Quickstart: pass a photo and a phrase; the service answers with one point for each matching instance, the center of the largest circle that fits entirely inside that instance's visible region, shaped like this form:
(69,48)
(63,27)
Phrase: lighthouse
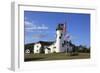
(60,37)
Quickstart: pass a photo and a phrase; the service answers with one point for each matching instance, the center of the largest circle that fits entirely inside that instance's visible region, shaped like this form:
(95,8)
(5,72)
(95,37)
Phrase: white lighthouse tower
(59,38)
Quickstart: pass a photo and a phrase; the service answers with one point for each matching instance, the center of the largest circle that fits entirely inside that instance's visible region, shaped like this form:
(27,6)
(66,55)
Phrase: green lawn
(54,56)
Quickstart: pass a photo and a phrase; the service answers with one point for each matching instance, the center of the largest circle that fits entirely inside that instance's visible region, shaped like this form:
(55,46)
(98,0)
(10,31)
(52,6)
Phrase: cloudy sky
(41,26)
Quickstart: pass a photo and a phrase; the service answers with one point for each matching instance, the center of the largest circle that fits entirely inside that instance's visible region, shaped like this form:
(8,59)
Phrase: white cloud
(39,36)
(30,26)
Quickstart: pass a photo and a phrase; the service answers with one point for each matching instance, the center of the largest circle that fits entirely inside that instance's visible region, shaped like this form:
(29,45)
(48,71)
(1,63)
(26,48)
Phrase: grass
(55,56)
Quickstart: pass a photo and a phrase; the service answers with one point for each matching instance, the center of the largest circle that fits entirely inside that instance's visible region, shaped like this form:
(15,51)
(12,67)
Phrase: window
(37,46)
(36,50)
(60,36)
(54,47)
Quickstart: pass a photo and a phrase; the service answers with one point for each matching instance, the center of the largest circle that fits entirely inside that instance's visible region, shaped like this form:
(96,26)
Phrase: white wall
(5,40)
(58,41)
(37,47)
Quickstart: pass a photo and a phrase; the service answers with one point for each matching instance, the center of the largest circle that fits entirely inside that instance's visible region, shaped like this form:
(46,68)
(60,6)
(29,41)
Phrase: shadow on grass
(32,59)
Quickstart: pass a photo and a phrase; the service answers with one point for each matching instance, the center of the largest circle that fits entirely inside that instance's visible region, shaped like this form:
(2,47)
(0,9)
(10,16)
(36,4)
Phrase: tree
(84,49)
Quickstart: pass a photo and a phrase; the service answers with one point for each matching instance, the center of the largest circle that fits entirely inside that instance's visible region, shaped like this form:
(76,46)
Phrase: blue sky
(41,26)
